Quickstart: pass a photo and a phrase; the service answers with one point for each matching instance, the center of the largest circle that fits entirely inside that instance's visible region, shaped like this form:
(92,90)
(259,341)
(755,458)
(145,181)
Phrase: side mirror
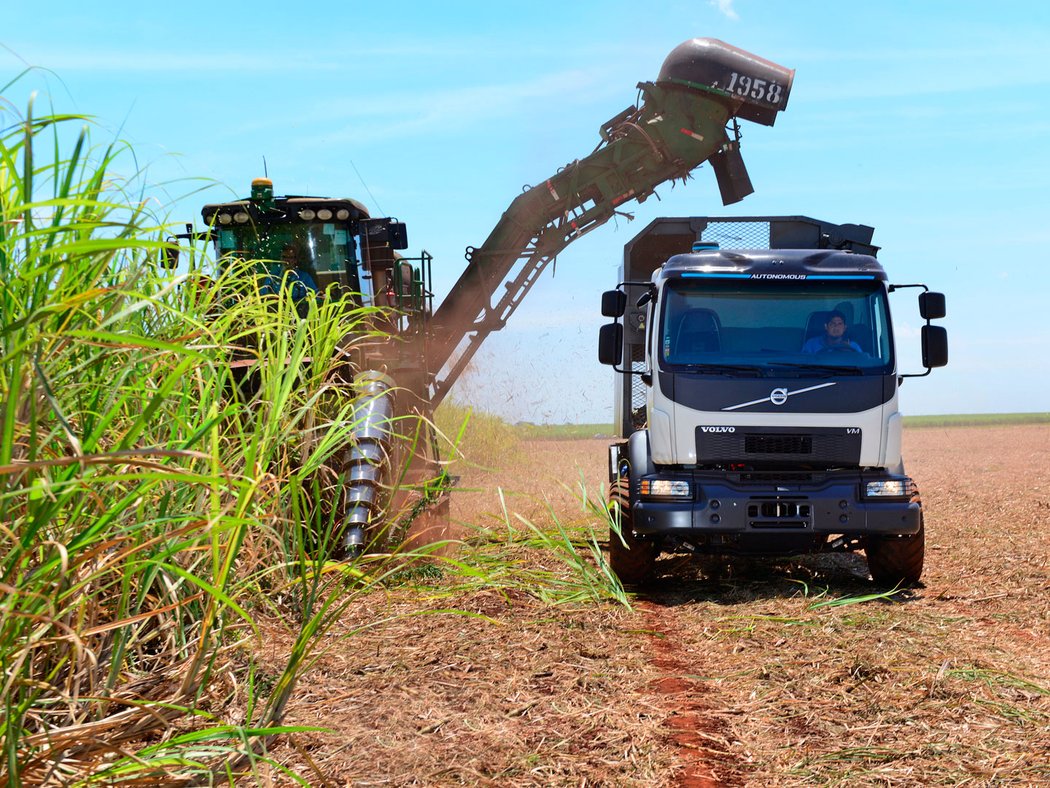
(171,256)
(610,344)
(385,231)
(614,303)
(398,235)
(931,305)
(934,344)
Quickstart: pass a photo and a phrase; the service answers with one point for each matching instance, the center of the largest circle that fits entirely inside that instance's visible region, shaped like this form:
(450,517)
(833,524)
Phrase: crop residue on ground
(946,684)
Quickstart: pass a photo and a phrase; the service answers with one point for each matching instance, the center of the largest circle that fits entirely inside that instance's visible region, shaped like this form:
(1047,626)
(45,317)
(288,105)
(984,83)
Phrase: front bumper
(833,505)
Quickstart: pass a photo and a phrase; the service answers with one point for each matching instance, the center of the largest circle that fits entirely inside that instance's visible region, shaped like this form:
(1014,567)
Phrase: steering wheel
(846,348)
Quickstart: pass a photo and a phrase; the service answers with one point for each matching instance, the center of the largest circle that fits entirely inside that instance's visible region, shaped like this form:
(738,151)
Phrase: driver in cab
(834,337)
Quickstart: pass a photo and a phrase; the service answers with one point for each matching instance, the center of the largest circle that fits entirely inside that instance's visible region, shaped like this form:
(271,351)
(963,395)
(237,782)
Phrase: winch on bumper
(840,503)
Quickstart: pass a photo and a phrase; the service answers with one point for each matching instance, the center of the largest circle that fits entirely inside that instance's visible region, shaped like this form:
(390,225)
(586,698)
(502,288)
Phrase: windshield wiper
(725,369)
(832,369)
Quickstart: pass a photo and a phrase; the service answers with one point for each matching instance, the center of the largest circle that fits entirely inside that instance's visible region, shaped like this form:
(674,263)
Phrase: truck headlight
(666,488)
(889,488)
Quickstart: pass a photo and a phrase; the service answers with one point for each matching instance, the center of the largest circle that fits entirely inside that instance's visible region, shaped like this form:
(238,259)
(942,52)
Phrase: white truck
(757,407)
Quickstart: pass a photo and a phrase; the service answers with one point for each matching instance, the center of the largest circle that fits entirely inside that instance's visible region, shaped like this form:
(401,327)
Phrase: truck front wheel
(897,560)
(632,558)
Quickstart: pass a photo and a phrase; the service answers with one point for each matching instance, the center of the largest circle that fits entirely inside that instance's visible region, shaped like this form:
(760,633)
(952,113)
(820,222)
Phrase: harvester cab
(329,244)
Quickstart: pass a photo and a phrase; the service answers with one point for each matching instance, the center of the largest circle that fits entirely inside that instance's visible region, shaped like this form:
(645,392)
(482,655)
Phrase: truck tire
(631,558)
(897,560)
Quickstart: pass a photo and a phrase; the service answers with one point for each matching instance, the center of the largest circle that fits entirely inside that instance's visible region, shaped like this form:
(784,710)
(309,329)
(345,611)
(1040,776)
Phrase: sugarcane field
(524,395)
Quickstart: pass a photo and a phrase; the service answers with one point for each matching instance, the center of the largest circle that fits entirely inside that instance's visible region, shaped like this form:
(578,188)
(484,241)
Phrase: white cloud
(404,113)
(412,53)
(68,60)
(725,7)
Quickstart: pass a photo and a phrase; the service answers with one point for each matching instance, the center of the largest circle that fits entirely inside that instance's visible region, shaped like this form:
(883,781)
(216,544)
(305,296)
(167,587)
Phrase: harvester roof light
(225,218)
(324,214)
(342,214)
(262,182)
(306,214)
(241,217)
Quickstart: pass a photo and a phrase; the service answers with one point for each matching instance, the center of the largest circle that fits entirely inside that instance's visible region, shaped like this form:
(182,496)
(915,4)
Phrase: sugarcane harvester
(688,116)
(318,247)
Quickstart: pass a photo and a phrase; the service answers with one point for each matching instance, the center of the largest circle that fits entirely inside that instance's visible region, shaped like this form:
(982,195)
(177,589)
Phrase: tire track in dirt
(699,737)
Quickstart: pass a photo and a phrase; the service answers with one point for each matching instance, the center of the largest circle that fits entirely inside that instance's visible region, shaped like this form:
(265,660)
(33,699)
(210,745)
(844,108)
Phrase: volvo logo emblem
(778,396)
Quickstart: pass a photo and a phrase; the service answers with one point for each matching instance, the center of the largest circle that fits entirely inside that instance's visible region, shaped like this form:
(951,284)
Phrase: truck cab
(758,409)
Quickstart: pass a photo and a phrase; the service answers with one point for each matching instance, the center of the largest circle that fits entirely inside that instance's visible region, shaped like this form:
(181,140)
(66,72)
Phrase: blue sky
(928,121)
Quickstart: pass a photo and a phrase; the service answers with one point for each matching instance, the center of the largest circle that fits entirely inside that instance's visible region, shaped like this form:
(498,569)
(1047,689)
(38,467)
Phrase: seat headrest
(697,320)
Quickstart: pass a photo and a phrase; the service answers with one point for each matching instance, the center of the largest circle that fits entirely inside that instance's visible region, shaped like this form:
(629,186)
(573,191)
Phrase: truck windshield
(826,326)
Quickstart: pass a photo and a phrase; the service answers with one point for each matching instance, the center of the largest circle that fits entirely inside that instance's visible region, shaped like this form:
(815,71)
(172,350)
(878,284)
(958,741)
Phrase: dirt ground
(739,675)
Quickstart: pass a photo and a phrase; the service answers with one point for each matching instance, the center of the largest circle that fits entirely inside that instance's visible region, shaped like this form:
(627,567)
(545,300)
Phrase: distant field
(578,431)
(563,431)
(977,420)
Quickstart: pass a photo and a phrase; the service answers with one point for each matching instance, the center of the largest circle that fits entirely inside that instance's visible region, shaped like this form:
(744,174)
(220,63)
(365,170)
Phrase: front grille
(766,447)
(778,444)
